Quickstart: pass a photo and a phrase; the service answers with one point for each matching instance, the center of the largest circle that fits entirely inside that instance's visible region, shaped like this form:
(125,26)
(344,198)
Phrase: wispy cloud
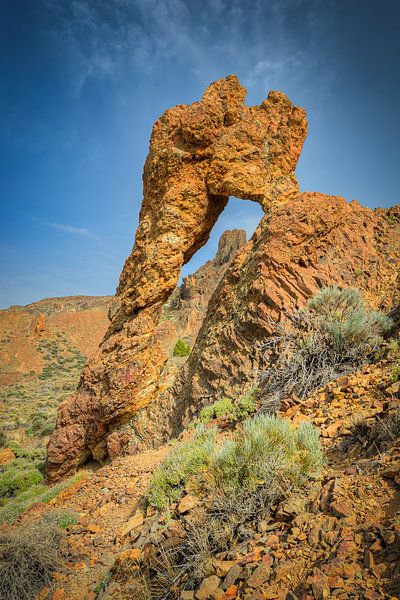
(80,231)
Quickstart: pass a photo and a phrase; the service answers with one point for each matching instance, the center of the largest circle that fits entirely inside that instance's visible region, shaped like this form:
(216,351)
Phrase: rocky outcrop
(199,156)
(311,241)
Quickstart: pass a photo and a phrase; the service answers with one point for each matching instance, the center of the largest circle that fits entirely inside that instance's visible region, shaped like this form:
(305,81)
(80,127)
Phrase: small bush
(28,559)
(334,334)
(267,452)
(14,507)
(266,461)
(62,518)
(183,462)
(396,372)
(181,349)
(226,407)
(15,479)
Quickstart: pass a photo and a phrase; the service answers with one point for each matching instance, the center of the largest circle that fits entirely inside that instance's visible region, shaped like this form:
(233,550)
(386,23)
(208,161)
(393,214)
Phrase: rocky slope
(43,347)
(339,539)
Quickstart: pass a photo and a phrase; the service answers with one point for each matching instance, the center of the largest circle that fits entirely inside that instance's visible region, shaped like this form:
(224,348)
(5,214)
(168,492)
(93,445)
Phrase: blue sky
(82,81)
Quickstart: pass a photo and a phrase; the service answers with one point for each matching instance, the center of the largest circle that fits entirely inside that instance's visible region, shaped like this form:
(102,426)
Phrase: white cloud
(80,231)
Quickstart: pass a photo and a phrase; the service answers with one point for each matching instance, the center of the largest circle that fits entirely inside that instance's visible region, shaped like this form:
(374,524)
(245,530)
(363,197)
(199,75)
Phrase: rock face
(199,156)
(308,242)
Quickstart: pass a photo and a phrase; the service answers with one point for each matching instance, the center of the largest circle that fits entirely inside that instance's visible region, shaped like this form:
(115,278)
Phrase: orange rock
(230,593)
(60,594)
(187,503)
(225,149)
(133,554)
(6,456)
(199,156)
(93,528)
(132,523)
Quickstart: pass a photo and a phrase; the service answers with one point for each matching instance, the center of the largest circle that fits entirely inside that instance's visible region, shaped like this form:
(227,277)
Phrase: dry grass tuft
(28,558)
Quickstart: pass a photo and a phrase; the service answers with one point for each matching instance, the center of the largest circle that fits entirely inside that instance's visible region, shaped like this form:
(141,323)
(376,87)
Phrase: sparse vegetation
(183,462)
(28,558)
(226,407)
(238,484)
(181,349)
(333,335)
(14,506)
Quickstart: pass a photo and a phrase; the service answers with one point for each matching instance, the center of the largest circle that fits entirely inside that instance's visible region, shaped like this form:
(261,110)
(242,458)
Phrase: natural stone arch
(199,156)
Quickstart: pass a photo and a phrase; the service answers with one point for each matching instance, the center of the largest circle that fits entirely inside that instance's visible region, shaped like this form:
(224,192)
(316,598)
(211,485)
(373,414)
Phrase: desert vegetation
(334,334)
(237,482)
(181,349)
(30,555)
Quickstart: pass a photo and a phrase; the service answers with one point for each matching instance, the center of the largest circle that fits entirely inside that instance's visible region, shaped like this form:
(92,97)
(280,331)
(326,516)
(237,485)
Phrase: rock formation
(199,156)
(304,244)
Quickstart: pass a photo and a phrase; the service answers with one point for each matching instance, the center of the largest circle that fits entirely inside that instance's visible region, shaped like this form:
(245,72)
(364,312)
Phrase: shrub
(62,518)
(267,452)
(183,462)
(13,507)
(18,475)
(331,336)
(28,558)
(226,407)
(181,349)
(266,461)
(396,372)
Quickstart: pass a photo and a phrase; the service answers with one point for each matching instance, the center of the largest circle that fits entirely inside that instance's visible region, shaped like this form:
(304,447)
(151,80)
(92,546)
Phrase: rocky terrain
(211,487)
(339,539)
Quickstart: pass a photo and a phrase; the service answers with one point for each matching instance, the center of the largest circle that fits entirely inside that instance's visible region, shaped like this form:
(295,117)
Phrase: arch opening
(238,214)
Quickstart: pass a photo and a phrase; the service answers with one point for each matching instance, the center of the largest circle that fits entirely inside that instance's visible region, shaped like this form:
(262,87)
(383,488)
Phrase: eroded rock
(199,156)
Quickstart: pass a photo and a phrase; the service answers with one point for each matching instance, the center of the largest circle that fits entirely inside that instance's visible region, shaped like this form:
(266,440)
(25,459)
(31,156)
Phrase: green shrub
(350,327)
(28,558)
(13,507)
(3,438)
(17,476)
(267,452)
(332,335)
(266,461)
(182,463)
(181,349)
(226,407)
(62,518)
(396,372)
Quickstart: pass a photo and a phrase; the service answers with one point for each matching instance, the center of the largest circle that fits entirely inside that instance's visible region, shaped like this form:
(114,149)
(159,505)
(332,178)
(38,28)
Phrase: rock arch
(199,156)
